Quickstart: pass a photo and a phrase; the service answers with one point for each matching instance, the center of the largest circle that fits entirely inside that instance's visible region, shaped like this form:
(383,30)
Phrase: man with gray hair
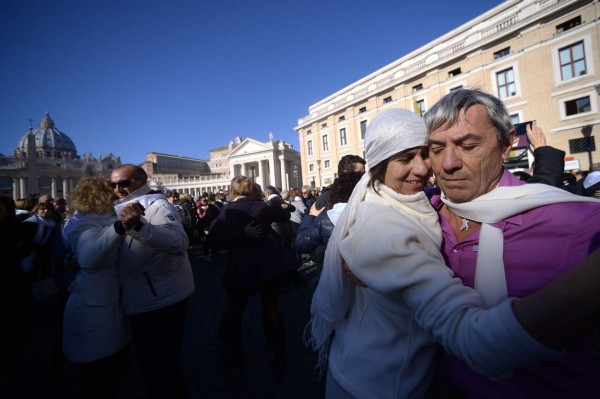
(506,238)
(307,196)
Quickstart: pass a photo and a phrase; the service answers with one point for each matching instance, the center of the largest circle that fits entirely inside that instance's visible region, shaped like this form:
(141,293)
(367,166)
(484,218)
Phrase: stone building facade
(539,56)
(45,161)
(274,162)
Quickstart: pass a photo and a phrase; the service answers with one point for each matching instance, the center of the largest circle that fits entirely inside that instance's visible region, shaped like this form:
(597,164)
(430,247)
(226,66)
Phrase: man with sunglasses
(156,278)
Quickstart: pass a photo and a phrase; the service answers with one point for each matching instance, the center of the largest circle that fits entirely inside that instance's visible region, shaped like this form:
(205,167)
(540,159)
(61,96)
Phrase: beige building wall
(519,40)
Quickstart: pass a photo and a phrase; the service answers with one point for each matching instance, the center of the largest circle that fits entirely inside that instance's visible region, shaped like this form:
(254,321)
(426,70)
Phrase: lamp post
(587,134)
(296,175)
(319,171)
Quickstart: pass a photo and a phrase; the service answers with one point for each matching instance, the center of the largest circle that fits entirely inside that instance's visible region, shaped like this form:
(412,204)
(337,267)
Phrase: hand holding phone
(536,135)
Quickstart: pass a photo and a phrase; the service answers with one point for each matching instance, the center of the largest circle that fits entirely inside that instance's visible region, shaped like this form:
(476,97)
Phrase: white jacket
(94,323)
(386,346)
(155,269)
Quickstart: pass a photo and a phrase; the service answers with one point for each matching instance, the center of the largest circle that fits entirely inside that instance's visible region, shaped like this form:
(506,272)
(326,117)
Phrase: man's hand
(130,215)
(535,135)
(253,229)
(314,211)
(351,275)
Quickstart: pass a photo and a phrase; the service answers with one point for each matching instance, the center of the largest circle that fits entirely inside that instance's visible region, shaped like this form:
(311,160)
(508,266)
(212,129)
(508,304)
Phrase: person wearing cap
(386,328)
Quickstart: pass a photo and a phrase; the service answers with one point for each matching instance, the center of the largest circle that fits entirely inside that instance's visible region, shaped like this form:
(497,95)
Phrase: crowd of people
(431,252)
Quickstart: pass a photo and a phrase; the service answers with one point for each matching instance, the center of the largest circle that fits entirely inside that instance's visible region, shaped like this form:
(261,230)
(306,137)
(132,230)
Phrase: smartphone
(521,139)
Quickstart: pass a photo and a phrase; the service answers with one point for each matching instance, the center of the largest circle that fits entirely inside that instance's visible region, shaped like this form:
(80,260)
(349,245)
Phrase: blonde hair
(25,203)
(241,185)
(185,197)
(93,195)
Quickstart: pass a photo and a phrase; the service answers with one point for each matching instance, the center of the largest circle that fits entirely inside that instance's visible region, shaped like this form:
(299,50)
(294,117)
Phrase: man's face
(466,158)
(124,183)
(306,193)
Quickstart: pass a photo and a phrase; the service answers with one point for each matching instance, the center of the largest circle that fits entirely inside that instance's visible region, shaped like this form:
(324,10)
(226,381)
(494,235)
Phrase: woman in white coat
(96,331)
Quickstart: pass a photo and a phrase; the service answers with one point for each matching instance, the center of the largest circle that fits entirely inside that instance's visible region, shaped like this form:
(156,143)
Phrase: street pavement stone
(206,374)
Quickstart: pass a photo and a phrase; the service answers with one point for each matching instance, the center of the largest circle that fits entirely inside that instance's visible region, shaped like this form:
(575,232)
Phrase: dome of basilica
(49,142)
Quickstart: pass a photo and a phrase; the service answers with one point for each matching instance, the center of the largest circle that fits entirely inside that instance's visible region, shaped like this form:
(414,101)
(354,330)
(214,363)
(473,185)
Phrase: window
(342,118)
(514,119)
(308,132)
(454,72)
(324,125)
(387,100)
(578,106)
(570,24)
(325,143)
(363,129)
(417,87)
(311,167)
(572,61)
(309,147)
(327,164)
(420,107)
(456,88)
(502,53)
(362,110)
(343,138)
(506,83)
(583,144)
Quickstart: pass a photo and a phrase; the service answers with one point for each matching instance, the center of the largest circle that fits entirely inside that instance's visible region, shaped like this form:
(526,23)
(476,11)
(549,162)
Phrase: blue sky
(183,77)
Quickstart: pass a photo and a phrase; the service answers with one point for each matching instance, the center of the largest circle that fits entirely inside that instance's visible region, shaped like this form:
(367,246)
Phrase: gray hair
(446,111)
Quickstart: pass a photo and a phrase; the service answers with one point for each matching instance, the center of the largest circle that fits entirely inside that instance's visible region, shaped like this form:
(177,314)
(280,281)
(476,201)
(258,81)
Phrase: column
(16,189)
(23,184)
(272,171)
(232,170)
(284,184)
(261,173)
(53,187)
(65,187)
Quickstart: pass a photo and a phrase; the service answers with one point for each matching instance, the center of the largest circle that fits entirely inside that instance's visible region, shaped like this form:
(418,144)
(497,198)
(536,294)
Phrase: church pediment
(250,146)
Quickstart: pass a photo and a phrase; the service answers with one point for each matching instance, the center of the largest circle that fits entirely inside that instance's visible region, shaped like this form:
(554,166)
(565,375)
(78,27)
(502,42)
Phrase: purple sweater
(539,245)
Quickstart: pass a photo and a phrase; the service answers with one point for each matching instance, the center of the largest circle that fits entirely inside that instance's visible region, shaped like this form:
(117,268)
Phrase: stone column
(261,173)
(53,187)
(65,187)
(272,181)
(232,170)
(16,189)
(282,166)
(23,184)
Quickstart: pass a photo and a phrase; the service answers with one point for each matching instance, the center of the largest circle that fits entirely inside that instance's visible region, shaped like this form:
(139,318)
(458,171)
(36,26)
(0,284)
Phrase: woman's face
(407,172)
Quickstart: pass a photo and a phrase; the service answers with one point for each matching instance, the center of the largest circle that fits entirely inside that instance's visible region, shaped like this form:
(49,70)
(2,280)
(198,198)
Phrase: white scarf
(335,213)
(493,207)
(140,196)
(335,292)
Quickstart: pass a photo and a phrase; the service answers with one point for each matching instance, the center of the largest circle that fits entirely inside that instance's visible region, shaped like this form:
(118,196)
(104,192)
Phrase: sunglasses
(120,183)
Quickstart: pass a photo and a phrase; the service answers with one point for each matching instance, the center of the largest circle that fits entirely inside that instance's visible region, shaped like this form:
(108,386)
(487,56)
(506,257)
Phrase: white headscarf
(390,133)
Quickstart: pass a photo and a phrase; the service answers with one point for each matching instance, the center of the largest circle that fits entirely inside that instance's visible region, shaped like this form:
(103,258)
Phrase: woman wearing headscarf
(96,332)
(384,344)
